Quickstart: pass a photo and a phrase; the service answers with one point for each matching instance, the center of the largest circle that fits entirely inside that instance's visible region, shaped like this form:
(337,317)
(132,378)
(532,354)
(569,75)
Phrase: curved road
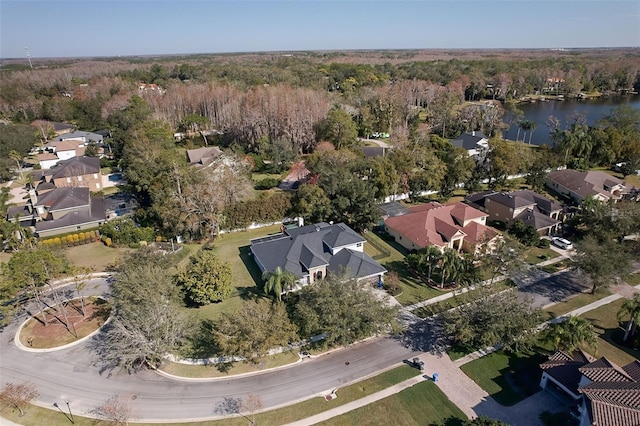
(71,374)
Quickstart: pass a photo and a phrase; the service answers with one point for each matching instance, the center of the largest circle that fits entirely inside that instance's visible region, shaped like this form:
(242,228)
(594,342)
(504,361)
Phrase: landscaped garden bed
(62,329)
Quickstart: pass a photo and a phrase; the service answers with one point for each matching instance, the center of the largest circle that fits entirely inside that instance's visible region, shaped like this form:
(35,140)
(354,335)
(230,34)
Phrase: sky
(83,28)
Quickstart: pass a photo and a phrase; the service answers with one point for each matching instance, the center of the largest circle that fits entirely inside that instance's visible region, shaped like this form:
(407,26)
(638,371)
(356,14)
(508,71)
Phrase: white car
(562,243)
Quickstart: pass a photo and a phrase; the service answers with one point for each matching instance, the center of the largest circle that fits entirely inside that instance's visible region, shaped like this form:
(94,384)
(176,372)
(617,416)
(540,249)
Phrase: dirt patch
(66,323)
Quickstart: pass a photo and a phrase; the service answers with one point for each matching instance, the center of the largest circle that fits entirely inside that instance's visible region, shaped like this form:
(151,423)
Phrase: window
(359,245)
(95,176)
(79,178)
(68,180)
(97,185)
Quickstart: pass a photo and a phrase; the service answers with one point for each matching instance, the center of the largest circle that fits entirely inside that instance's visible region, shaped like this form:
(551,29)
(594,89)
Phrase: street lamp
(71,414)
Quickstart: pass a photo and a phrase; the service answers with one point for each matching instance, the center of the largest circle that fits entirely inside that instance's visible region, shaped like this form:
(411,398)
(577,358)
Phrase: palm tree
(449,265)
(430,255)
(571,333)
(17,157)
(532,127)
(279,281)
(630,307)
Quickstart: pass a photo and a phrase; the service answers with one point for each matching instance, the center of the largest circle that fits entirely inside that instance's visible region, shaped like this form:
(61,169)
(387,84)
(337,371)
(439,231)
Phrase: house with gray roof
(601,392)
(475,143)
(524,206)
(312,252)
(76,171)
(59,210)
(579,185)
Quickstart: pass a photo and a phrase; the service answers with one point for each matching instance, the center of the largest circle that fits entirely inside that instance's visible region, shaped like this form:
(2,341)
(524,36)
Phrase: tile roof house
(456,226)
(76,171)
(579,185)
(59,210)
(475,143)
(313,251)
(525,206)
(605,394)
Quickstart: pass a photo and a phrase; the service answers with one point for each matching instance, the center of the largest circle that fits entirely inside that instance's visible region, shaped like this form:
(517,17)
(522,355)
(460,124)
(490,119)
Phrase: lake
(564,110)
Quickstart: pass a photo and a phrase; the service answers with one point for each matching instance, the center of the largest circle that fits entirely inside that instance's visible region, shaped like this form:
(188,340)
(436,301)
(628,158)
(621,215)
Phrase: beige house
(524,206)
(456,226)
(582,184)
(74,172)
(59,210)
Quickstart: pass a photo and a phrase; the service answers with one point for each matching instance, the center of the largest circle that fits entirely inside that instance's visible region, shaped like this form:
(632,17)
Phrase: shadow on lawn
(520,379)
(614,337)
(254,292)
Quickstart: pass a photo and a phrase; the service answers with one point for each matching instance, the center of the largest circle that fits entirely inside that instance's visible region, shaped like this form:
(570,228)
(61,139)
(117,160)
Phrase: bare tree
(19,395)
(116,410)
(251,404)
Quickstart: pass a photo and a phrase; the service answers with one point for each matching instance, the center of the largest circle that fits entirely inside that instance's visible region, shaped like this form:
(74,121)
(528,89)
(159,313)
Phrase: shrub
(266,183)
(107,242)
(57,241)
(65,241)
(544,243)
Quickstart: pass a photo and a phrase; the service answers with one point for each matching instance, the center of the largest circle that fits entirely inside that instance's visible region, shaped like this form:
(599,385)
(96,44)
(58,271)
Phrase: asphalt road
(71,374)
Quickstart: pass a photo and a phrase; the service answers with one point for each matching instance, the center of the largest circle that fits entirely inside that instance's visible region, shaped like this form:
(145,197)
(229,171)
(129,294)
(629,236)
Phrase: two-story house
(59,210)
(579,185)
(475,143)
(456,226)
(76,171)
(313,251)
(524,206)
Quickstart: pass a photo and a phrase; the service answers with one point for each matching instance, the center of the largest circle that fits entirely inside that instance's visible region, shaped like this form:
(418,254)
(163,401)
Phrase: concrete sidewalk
(369,399)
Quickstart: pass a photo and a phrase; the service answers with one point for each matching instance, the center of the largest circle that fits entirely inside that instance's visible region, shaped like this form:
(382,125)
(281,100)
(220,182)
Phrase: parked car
(562,243)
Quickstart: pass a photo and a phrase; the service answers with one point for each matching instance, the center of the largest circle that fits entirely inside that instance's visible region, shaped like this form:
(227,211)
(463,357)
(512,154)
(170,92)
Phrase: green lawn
(508,378)
(610,333)
(574,303)
(413,289)
(422,404)
(200,371)
(233,247)
(632,279)
(95,256)
(459,299)
(41,416)
(535,255)
(257,177)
